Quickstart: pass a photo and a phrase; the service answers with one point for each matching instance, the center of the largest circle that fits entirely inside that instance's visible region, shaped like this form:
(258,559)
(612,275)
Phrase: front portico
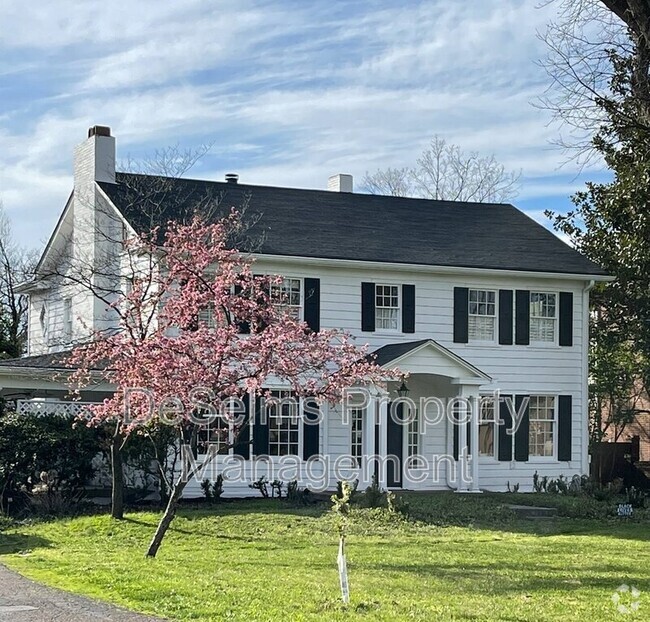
(440,384)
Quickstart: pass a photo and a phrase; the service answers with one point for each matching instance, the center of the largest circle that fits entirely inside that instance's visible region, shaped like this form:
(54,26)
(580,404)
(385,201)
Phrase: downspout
(585,375)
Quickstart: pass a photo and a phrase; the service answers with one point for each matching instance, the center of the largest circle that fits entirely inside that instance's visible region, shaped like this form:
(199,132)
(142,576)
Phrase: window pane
(356,439)
(482,314)
(486,439)
(284,423)
(286,296)
(542,422)
(387,307)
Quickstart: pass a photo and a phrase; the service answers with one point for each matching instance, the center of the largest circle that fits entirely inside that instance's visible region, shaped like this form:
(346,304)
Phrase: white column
(475,414)
(382,450)
(462,464)
(368,435)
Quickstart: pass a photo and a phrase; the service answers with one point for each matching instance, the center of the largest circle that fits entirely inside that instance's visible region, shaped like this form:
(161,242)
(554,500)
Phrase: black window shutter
(504,443)
(461,315)
(505,317)
(457,439)
(522,317)
(408,308)
(260,429)
(564,428)
(243,328)
(521,435)
(368,307)
(312,304)
(311,429)
(566,319)
(242,444)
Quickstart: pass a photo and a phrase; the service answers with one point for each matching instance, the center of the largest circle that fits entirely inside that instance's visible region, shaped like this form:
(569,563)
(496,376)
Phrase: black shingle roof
(392,351)
(337,225)
(55,360)
(40,361)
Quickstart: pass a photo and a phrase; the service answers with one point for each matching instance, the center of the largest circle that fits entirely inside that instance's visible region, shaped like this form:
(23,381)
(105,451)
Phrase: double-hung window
(486,427)
(541,425)
(356,434)
(287,296)
(482,315)
(284,424)
(543,317)
(387,307)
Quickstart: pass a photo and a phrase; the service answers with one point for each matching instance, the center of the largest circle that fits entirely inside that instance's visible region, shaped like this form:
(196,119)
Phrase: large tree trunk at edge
(167,517)
(117,465)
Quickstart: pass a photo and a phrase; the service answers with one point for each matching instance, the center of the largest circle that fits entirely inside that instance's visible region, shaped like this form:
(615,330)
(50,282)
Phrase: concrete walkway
(22,600)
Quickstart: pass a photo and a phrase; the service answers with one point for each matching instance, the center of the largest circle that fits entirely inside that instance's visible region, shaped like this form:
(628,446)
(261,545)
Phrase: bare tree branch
(444,172)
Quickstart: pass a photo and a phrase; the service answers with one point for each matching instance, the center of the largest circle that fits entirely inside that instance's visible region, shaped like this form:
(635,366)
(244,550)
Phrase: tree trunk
(117,493)
(167,517)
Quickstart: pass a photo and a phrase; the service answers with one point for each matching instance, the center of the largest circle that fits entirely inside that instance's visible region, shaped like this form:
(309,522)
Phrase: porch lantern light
(403,390)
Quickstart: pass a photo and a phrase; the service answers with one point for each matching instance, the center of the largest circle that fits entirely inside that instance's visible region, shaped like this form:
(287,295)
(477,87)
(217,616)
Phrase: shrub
(262,484)
(32,445)
(354,489)
(217,487)
(206,487)
(374,496)
(297,495)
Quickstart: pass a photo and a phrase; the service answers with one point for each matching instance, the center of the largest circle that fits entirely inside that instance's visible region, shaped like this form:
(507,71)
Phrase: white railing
(58,408)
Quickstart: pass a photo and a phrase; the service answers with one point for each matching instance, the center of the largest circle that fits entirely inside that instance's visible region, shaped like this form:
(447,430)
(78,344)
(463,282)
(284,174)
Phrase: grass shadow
(12,543)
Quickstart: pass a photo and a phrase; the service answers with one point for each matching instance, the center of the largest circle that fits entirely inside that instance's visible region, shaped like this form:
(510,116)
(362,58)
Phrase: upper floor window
(287,296)
(543,317)
(486,427)
(67,318)
(284,424)
(387,307)
(541,425)
(482,315)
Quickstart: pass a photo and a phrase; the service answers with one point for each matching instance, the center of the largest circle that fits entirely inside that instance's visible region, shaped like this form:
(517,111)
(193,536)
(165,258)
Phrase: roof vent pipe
(232,178)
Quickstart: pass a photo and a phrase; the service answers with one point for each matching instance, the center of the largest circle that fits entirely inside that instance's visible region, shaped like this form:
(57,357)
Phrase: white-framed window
(387,307)
(543,317)
(284,424)
(67,318)
(288,296)
(413,438)
(356,434)
(217,433)
(207,317)
(541,416)
(482,314)
(487,427)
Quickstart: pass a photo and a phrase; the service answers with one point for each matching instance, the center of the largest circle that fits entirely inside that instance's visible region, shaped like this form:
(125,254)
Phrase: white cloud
(289,92)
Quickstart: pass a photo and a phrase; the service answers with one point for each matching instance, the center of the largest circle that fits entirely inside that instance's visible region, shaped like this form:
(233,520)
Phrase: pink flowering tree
(180,330)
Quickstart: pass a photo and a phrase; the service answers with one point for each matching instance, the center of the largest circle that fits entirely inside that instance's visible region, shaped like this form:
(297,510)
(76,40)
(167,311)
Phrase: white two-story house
(469,300)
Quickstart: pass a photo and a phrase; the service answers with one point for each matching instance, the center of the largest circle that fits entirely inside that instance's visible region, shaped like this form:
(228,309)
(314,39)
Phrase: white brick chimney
(340,183)
(96,232)
(94,159)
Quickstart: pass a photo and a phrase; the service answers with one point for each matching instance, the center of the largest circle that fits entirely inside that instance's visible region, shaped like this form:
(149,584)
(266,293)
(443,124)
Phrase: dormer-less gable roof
(361,227)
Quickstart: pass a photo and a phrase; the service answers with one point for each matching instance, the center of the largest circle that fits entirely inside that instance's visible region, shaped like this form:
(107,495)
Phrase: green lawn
(265,560)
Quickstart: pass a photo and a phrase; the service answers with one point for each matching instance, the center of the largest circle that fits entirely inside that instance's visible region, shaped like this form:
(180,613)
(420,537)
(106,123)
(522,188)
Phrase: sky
(286,92)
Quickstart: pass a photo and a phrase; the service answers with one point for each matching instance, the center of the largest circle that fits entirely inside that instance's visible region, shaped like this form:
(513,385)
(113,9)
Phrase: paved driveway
(22,600)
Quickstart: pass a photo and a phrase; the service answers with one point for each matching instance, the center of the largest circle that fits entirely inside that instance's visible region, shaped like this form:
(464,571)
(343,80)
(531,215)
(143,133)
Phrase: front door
(395,446)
